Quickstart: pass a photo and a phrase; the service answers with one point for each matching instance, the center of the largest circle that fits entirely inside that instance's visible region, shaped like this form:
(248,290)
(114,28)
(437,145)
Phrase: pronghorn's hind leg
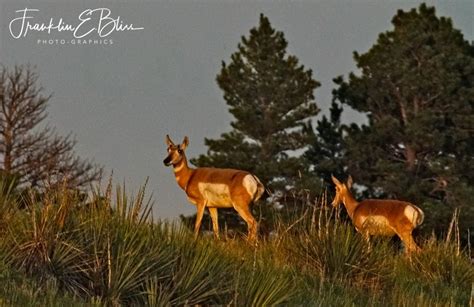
(408,242)
(366,236)
(404,232)
(242,206)
(215,222)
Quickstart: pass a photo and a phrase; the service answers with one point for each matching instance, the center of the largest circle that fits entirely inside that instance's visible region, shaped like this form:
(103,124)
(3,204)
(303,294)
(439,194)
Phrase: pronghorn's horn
(334,179)
(349,182)
(168,140)
(185,142)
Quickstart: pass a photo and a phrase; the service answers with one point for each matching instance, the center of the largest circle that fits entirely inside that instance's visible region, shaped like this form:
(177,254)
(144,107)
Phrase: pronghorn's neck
(350,203)
(182,173)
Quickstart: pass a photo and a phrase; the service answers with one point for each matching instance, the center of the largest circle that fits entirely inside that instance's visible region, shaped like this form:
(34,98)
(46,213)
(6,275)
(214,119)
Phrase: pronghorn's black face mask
(175,152)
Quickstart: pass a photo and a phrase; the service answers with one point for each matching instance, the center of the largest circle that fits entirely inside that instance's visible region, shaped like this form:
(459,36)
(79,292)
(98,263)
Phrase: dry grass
(109,251)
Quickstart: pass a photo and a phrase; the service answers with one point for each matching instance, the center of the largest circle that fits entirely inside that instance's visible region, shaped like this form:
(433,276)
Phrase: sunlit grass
(107,250)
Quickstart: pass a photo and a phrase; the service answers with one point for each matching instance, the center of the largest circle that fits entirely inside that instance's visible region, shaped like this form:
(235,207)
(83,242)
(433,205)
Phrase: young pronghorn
(380,217)
(215,188)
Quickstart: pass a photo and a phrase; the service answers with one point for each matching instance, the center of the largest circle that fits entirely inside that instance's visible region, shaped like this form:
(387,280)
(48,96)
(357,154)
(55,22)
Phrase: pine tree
(416,84)
(326,150)
(270,96)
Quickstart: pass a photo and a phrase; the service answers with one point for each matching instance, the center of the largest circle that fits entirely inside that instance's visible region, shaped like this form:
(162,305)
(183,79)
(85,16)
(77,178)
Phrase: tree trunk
(410,155)
(7,155)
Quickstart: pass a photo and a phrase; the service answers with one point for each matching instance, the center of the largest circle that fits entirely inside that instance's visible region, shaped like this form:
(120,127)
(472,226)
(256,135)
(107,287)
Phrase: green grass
(107,251)
(19,290)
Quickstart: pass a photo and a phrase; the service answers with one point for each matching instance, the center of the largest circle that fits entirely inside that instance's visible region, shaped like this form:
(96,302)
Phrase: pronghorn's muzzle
(167,161)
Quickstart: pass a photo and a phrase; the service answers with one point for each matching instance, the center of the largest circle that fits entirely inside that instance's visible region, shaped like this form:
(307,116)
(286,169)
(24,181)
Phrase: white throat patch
(179,168)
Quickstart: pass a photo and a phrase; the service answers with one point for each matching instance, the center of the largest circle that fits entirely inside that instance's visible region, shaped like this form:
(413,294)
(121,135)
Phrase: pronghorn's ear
(185,143)
(336,182)
(349,182)
(169,142)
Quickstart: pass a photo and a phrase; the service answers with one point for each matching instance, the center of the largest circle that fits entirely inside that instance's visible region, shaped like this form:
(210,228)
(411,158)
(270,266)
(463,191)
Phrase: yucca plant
(441,271)
(157,294)
(107,250)
(19,290)
(262,286)
(129,258)
(443,262)
(324,244)
(201,273)
(9,196)
(315,291)
(135,208)
(39,243)
(410,297)
(119,240)
(339,253)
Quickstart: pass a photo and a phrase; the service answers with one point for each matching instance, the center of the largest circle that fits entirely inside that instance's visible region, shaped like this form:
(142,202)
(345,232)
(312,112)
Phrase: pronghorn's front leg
(215,222)
(199,215)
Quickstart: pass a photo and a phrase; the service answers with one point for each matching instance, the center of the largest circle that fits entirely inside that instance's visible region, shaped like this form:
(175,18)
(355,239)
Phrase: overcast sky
(121,99)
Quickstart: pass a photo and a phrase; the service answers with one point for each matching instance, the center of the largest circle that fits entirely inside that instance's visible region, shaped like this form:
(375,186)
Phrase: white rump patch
(412,214)
(250,184)
(216,194)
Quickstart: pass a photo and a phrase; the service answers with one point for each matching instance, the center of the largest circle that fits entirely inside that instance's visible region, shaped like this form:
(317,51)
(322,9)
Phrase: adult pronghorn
(381,217)
(215,188)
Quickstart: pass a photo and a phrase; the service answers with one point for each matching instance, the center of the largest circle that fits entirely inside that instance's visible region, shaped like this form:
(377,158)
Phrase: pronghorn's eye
(180,151)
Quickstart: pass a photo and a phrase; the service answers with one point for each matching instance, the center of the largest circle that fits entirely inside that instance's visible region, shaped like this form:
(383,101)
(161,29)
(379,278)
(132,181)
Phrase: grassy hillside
(108,251)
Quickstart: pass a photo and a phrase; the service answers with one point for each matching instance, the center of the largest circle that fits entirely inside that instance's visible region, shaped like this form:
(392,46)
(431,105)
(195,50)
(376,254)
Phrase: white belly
(216,194)
(377,225)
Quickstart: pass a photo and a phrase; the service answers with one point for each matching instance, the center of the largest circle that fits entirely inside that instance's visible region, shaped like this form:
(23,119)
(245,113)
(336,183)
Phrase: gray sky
(121,100)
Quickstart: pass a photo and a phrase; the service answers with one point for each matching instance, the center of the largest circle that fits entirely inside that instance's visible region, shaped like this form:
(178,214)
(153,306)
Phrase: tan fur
(215,188)
(380,217)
